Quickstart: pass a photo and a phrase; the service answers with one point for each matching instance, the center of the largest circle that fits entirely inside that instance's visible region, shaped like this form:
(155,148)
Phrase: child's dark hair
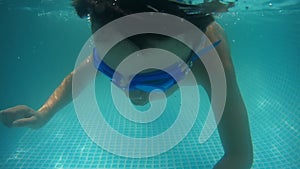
(86,7)
(82,7)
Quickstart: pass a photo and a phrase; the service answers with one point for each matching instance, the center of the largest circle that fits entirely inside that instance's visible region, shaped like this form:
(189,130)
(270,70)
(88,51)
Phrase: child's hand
(22,116)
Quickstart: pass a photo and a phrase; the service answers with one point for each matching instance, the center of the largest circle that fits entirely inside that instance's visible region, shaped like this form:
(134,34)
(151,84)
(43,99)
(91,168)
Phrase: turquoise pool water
(41,39)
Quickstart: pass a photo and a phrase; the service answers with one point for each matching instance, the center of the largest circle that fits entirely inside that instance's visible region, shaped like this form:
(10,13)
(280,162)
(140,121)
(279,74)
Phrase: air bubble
(270,4)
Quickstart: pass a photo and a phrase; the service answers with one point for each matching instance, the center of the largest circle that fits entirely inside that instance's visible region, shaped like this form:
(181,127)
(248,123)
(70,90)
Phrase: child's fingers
(23,122)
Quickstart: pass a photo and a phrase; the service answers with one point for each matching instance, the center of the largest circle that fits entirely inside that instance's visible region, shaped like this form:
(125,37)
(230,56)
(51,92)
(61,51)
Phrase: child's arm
(21,116)
(233,127)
